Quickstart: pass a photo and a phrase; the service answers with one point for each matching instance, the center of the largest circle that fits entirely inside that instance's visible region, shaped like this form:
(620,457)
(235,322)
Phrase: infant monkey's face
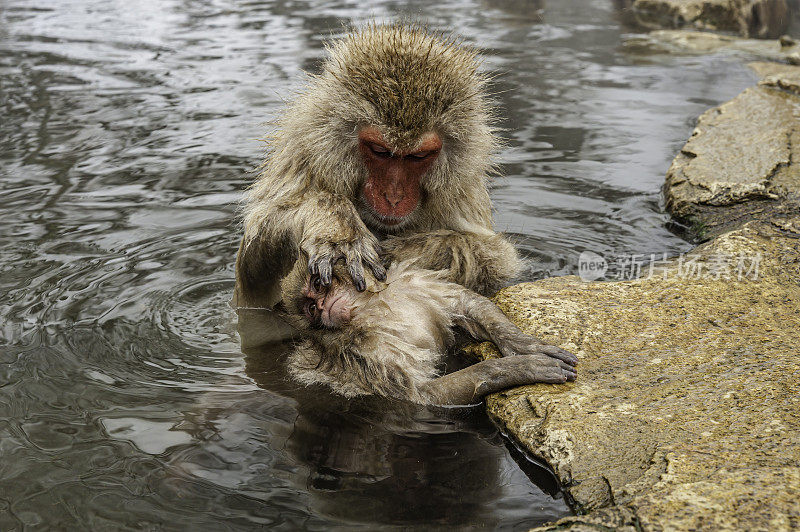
(327,306)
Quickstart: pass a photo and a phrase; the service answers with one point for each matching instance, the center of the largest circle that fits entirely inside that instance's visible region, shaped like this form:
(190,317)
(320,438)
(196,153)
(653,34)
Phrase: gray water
(128,130)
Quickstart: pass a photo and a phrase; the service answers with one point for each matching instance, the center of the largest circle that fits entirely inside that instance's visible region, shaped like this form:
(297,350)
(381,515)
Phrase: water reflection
(383,462)
(128,132)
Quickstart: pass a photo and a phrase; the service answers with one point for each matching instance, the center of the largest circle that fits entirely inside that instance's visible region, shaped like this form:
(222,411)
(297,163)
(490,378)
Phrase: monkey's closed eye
(419,156)
(379,150)
(316,284)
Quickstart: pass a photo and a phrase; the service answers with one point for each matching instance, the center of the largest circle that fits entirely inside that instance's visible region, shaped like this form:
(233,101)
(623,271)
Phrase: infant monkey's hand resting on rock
(389,339)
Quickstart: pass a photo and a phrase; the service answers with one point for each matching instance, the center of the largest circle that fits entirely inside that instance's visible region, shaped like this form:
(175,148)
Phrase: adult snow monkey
(388,148)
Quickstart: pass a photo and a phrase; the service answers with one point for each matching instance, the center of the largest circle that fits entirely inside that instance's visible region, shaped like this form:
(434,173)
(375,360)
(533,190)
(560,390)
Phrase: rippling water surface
(128,131)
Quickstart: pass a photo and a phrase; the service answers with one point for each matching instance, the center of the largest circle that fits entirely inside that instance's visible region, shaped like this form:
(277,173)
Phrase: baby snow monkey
(391,339)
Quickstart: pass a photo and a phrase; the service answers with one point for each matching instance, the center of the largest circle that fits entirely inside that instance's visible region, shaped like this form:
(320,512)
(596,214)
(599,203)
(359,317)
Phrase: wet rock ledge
(742,161)
(748,18)
(686,413)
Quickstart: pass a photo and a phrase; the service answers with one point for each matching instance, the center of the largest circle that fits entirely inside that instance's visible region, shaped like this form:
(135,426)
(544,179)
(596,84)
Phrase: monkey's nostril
(393,199)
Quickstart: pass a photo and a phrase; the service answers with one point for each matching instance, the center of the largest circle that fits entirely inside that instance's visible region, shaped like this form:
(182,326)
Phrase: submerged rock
(686,412)
(742,161)
(778,76)
(698,42)
(748,18)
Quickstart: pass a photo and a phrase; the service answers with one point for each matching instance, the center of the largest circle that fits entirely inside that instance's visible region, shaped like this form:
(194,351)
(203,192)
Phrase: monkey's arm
(483,261)
(484,321)
(324,226)
(331,229)
(469,385)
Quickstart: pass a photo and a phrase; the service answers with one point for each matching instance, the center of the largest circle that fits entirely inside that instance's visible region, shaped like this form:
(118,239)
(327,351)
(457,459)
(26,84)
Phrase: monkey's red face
(392,189)
(327,306)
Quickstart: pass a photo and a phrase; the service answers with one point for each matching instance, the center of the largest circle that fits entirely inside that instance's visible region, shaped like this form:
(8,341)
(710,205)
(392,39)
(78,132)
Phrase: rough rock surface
(748,18)
(742,161)
(778,76)
(686,412)
(697,42)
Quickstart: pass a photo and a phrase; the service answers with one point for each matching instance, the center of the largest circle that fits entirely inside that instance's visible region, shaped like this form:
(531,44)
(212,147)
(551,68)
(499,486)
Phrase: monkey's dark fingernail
(325,273)
(379,272)
(361,285)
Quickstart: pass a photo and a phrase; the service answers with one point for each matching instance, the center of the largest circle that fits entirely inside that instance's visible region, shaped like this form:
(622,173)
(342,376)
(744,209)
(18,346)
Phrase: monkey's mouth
(391,220)
(377,220)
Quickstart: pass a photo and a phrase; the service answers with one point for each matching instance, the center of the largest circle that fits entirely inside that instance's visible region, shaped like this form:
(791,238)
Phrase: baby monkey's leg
(484,321)
(469,385)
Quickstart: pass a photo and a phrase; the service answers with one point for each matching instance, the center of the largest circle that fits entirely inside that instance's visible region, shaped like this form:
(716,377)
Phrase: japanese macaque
(389,147)
(390,339)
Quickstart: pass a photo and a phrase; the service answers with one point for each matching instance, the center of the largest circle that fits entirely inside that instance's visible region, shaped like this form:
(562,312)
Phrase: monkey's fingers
(321,258)
(325,270)
(524,344)
(378,270)
(569,371)
(551,370)
(373,261)
(357,256)
(557,352)
(357,273)
(553,375)
(322,265)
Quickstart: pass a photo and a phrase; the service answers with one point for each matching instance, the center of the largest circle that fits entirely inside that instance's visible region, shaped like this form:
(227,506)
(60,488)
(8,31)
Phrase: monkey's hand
(514,343)
(527,369)
(470,384)
(484,321)
(342,236)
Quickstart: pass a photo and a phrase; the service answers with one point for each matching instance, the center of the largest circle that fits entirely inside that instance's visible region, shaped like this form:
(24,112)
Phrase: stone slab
(686,411)
(742,161)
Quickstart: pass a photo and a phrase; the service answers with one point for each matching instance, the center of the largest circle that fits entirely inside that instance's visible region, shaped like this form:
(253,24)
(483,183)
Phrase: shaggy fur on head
(405,81)
(414,82)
